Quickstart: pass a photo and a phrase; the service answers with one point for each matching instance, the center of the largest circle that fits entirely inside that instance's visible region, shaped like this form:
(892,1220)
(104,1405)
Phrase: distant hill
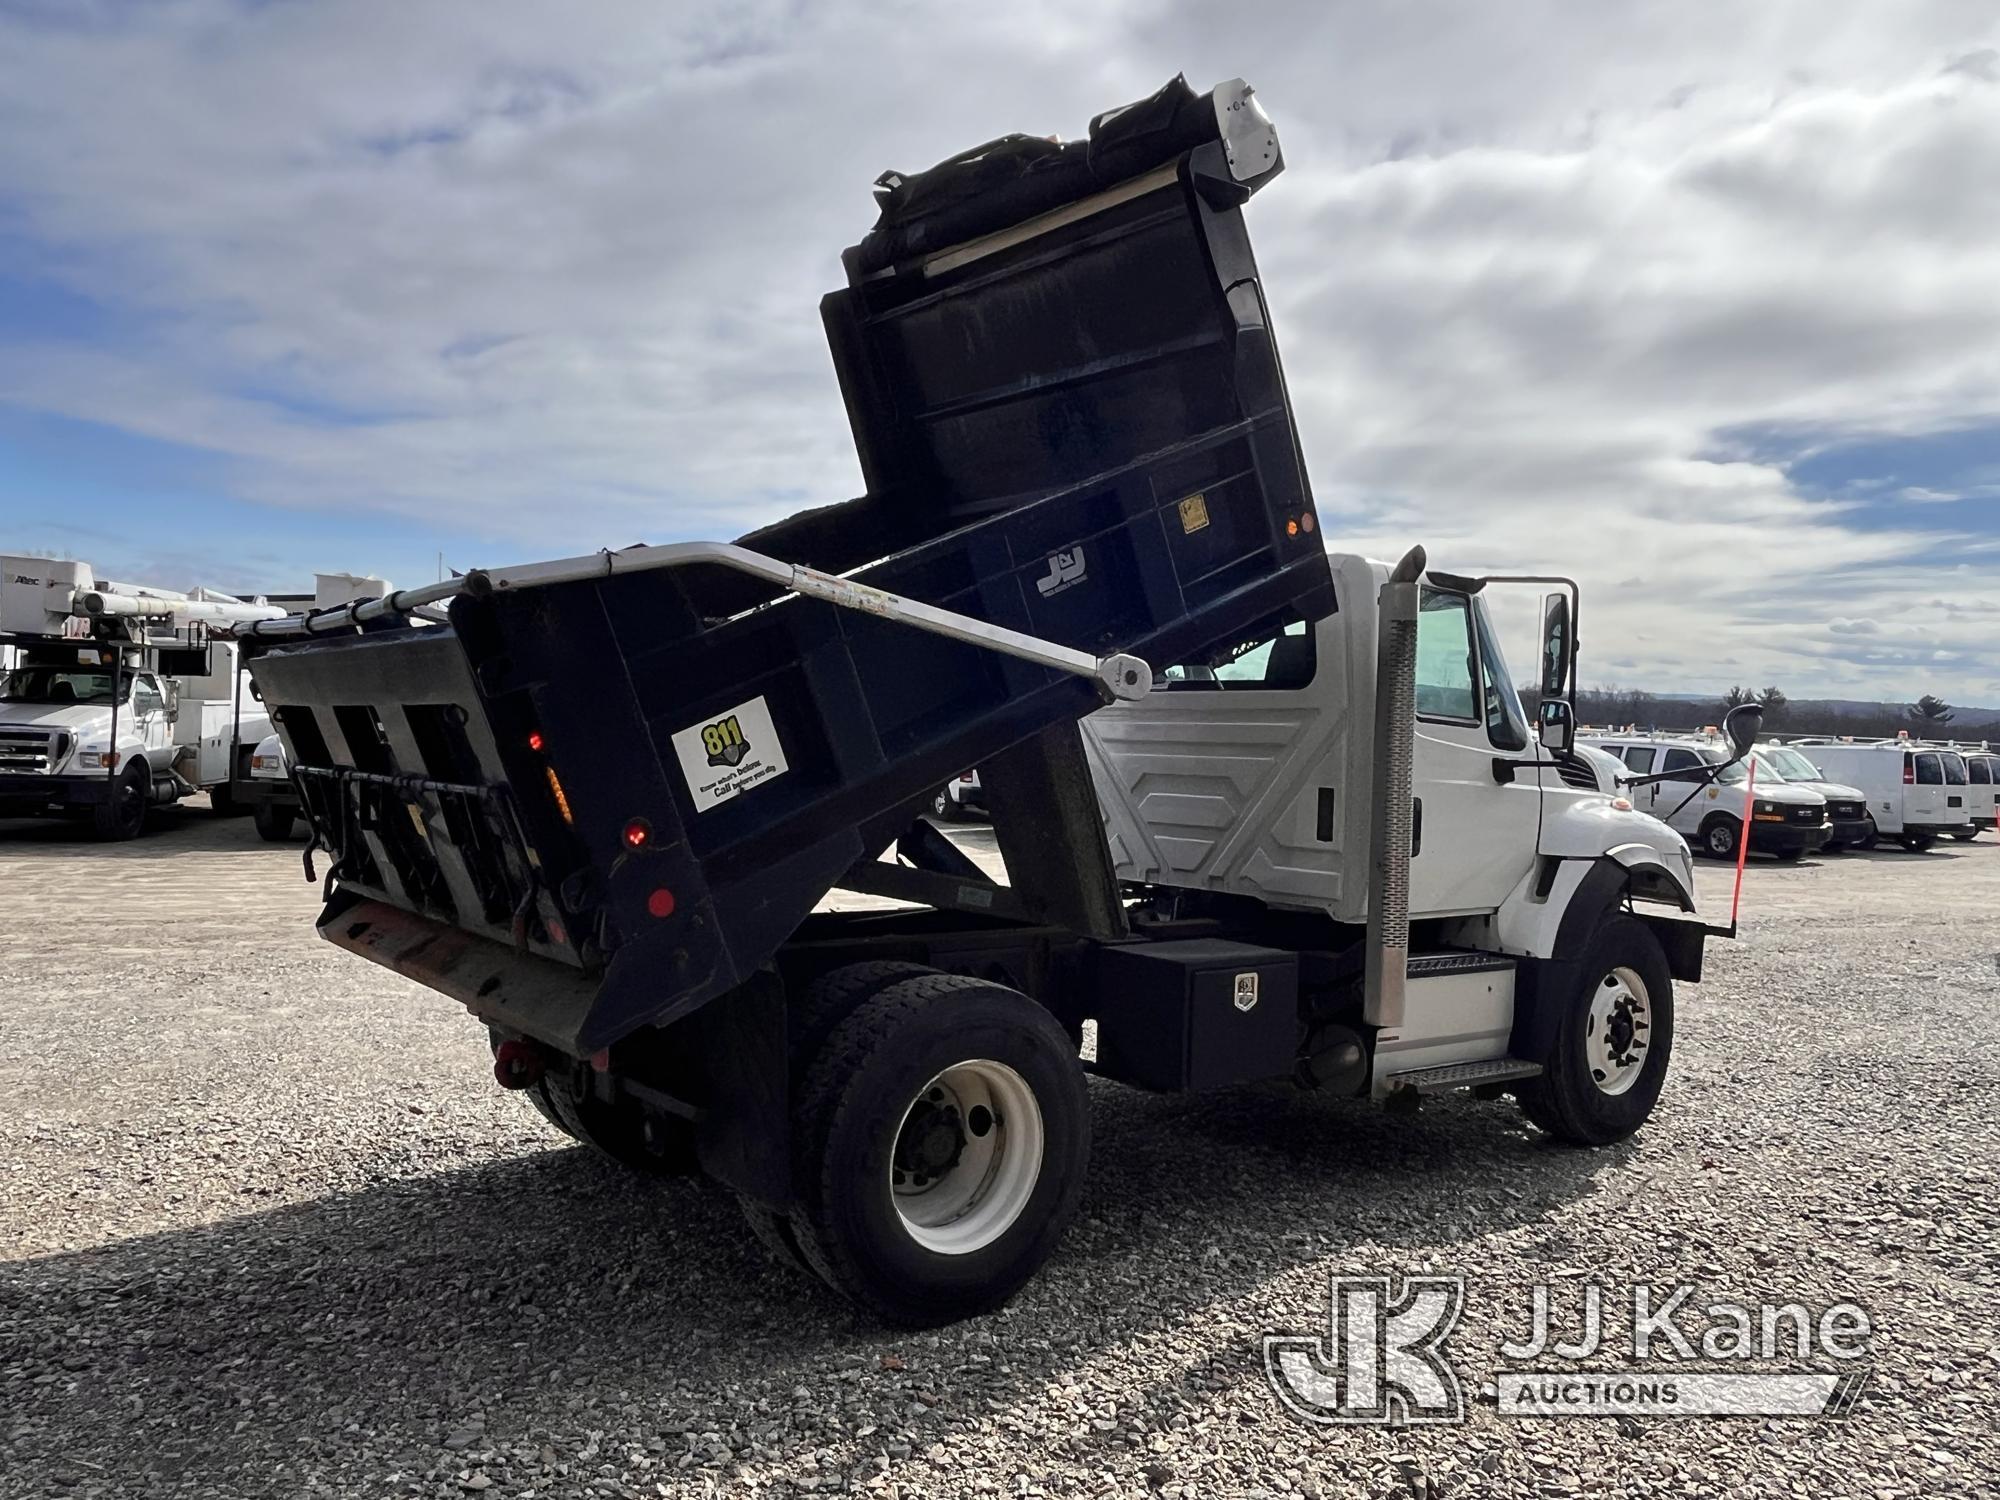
(1853,716)
(1848,707)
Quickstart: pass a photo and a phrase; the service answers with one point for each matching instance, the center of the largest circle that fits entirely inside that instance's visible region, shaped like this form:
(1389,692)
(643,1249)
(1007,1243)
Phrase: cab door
(149,718)
(1478,778)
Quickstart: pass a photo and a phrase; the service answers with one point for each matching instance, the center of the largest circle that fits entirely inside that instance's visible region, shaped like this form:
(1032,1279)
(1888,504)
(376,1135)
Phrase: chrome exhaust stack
(1392,816)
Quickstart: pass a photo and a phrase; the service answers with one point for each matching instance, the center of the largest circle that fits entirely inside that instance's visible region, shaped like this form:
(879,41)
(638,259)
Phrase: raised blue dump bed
(1063,386)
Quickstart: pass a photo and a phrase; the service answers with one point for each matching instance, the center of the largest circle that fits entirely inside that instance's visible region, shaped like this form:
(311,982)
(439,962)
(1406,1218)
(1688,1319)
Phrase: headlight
(1768,812)
(263,763)
(98,760)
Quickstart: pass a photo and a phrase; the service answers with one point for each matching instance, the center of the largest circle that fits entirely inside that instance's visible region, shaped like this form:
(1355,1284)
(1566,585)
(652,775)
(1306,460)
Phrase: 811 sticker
(724,756)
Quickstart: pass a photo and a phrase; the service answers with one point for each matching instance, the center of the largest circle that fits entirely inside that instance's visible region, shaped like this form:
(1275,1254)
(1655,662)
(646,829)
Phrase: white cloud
(552,273)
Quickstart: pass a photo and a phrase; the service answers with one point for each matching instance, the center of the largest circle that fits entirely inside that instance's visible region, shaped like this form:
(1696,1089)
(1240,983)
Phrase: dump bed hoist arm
(1118,676)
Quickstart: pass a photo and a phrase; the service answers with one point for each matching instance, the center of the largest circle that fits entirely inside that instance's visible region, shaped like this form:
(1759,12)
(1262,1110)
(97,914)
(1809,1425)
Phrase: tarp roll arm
(1118,676)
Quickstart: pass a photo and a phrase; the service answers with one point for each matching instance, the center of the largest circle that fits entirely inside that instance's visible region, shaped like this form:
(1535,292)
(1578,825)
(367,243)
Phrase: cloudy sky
(1698,302)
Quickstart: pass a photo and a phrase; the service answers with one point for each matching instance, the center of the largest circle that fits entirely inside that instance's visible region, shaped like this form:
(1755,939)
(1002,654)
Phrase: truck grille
(1845,812)
(1813,815)
(31,750)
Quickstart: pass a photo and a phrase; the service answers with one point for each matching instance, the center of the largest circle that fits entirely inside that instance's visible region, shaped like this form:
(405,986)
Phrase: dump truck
(1267,811)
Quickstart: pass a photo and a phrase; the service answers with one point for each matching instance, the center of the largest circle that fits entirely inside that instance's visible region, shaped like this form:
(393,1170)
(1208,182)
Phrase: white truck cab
(1249,774)
(1915,795)
(1788,821)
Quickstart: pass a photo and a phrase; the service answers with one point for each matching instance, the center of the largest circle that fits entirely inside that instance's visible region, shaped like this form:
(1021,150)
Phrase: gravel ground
(267,1227)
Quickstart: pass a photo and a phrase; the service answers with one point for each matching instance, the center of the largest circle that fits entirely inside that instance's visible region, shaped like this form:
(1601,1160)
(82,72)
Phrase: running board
(1463,1075)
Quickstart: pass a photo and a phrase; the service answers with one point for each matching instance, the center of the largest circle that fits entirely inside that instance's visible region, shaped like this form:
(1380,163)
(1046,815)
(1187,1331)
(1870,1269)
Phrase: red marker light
(661,902)
(638,833)
(535,739)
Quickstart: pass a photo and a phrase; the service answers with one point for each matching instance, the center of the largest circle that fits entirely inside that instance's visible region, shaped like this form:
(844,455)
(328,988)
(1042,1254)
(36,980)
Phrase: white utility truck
(1310,837)
(120,699)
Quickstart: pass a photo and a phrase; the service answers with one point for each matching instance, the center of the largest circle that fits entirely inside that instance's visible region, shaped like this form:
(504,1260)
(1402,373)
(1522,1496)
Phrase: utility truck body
(121,698)
(1303,832)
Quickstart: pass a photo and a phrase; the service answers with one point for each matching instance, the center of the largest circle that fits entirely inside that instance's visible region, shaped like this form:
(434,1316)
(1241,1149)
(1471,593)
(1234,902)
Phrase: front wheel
(1791,856)
(1871,836)
(1608,1062)
(944,809)
(941,1142)
(122,815)
(1720,836)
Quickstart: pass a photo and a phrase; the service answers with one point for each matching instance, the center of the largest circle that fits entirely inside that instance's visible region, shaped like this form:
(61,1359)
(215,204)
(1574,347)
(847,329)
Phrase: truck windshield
(57,685)
(1788,765)
(1732,775)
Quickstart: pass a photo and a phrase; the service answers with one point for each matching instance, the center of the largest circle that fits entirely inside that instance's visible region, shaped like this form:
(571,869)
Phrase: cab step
(1463,1075)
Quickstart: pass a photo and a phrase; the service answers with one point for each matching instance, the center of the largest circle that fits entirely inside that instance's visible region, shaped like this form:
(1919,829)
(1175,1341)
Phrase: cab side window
(1683,765)
(146,697)
(1639,759)
(1277,663)
(1445,660)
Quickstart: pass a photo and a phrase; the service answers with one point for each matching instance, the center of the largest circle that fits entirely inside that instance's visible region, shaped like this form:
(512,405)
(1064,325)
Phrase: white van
(1846,806)
(1788,821)
(1915,796)
(1982,769)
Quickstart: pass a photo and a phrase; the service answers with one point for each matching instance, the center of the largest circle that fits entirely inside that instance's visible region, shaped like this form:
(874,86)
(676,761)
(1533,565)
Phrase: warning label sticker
(725,756)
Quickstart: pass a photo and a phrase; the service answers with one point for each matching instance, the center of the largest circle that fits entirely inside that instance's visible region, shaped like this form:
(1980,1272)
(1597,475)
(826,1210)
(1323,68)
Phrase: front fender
(1653,878)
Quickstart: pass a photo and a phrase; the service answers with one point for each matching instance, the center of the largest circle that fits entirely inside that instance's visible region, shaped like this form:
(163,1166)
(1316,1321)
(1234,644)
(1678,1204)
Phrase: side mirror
(1743,724)
(1557,722)
(1558,646)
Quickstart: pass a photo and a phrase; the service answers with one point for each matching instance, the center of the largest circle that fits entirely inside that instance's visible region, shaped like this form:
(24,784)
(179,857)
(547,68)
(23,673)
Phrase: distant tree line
(1930,717)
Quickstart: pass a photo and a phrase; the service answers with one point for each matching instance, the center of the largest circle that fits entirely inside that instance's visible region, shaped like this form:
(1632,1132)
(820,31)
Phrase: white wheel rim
(1617,1031)
(967,1156)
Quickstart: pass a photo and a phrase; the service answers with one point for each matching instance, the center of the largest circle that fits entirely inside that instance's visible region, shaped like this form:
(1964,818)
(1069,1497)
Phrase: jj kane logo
(1382,1357)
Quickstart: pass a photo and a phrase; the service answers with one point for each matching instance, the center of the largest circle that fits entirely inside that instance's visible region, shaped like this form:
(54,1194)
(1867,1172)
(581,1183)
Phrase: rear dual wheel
(647,1142)
(941,1133)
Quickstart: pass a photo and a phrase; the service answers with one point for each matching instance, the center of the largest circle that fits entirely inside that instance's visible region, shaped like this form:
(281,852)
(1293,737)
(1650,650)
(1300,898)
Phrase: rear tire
(1719,836)
(274,823)
(650,1144)
(832,998)
(1918,843)
(1613,1041)
(940,1145)
(122,816)
(1965,835)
